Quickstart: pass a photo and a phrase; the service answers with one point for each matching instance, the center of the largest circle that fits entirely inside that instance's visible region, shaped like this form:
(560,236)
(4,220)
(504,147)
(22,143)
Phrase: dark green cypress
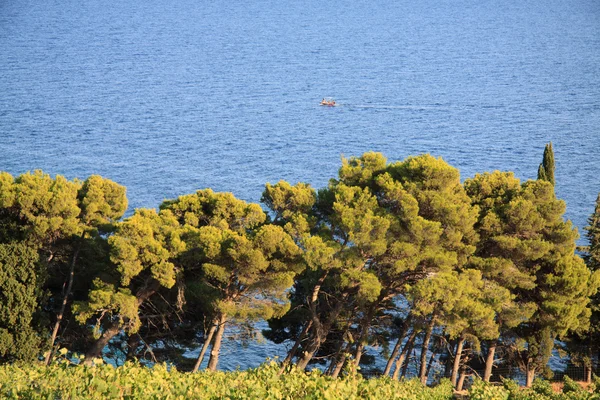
(546,168)
(592,257)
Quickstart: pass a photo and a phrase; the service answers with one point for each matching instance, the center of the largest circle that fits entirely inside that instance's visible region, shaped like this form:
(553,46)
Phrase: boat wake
(404,107)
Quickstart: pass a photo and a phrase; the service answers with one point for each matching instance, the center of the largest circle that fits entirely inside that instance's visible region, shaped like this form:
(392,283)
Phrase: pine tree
(241,263)
(527,247)
(584,346)
(53,216)
(371,233)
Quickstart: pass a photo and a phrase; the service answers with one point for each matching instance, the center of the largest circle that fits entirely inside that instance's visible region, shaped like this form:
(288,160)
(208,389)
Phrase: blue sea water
(170,97)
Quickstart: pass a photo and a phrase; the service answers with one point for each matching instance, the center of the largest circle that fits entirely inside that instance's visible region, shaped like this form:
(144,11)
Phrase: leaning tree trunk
(404,354)
(320,332)
(313,346)
(205,345)
(424,348)
(216,347)
(364,335)
(95,351)
(461,380)
(339,365)
(430,363)
(294,349)
(457,358)
(390,362)
(408,353)
(63,306)
(489,360)
(337,354)
(340,362)
(392,358)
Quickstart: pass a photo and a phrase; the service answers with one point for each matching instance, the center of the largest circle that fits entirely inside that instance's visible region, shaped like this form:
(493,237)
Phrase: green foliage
(146,242)
(38,209)
(571,386)
(481,390)
(546,169)
(20,292)
(131,381)
(52,217)
(542,390)
(592,256)
(102,201)
(526,247)
(542,387)
(493,257)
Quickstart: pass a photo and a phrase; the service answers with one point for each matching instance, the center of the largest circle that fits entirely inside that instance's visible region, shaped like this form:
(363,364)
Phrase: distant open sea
(170,97)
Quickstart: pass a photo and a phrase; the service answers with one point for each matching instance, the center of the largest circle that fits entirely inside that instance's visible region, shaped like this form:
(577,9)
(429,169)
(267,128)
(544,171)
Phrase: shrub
(481,390)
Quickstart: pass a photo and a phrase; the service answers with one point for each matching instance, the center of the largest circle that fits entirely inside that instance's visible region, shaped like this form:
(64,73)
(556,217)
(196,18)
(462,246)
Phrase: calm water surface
(170,97)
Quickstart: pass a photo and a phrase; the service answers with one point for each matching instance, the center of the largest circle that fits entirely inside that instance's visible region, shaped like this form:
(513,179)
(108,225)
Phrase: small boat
(328,101)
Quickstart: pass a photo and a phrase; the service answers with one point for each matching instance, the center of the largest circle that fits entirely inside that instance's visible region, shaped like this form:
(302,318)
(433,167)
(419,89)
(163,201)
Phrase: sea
(168,97)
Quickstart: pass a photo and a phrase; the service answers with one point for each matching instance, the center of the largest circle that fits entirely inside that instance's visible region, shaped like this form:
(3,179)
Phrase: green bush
(131,381)
(481,390)
(543,387)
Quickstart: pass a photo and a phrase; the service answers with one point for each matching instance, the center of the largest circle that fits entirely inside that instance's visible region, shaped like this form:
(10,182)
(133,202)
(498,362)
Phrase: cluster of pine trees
(396,256)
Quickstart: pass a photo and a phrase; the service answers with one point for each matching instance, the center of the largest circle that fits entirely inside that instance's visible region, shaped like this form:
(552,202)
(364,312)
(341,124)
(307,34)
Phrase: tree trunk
(294,349)
(405,366)
(340,364)
(205,345)
(310,351)
(63,306)
(430,363)
(489,361)
(403,355)
(449,358)
(588,370)
(95,351)
(132,344)
(340,350)
(216,347)
(424,348)
(390,362)
(320,332)
(530,376)
(457,358)
(392,358)
(364,335)
(461,380)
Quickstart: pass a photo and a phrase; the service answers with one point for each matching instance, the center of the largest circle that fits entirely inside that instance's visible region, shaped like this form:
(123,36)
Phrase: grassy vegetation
(540,390)
(64,381)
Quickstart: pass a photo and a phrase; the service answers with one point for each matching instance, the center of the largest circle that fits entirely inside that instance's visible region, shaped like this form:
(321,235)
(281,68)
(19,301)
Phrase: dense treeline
(398,256)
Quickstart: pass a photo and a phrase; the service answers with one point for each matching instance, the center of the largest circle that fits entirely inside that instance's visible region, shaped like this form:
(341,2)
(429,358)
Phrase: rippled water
(170,97)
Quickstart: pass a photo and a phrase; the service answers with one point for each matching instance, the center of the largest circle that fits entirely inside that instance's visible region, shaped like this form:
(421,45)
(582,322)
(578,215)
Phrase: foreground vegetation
(137,382)
(133,381)
(443,277)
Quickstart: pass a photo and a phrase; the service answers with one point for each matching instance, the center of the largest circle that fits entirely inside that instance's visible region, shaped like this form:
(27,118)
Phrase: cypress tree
(592,256)
(546,168)
(21,281)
